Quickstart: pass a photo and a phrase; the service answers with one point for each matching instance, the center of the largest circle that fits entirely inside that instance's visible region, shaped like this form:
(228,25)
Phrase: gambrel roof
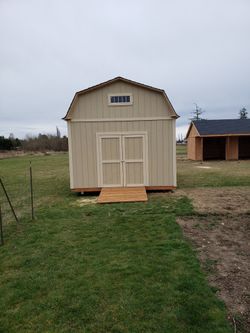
(119,78)
(221,127)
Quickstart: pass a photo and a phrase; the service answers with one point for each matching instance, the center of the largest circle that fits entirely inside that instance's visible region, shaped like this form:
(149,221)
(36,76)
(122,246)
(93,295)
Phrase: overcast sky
(197,50)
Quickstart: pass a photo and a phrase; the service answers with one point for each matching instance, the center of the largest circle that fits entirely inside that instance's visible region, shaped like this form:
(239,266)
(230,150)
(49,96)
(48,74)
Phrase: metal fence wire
(16,199)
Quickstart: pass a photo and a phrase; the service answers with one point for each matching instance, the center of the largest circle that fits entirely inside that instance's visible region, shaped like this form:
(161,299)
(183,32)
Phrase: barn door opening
(122,160)
(214,148)
(244,147)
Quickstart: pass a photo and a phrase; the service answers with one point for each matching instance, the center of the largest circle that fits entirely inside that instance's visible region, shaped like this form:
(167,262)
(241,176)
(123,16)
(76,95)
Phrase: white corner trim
(71,171)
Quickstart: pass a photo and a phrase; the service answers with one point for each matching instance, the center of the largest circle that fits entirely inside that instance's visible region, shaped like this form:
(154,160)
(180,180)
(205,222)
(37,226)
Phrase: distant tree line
(41,142)
(9,143)
(180,139)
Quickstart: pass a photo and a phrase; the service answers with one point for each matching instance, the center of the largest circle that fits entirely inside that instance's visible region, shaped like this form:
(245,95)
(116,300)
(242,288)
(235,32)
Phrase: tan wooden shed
(222,139)
(121,134)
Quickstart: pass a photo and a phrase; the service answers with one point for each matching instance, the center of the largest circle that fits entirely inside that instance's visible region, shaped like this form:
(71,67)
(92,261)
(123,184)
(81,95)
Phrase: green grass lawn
(99,268)
(210,173)
(213,173)
(181,150)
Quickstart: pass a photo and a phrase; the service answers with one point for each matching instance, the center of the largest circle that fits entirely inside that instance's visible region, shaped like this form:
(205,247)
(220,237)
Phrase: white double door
(122,160)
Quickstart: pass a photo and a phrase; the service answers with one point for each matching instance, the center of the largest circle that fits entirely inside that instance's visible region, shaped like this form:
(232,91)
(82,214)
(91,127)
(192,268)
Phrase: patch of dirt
(85,201)
(203,167)
(227,200)
(19,153)
(220,232)
(10,153)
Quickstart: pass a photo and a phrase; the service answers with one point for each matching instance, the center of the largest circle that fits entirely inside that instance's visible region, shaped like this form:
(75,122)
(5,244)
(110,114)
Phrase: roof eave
(224,135)
(189,129)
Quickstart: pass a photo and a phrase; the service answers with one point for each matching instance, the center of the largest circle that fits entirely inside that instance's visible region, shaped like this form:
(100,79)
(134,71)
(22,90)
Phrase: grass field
(211,173)
(181,150)
(94,268)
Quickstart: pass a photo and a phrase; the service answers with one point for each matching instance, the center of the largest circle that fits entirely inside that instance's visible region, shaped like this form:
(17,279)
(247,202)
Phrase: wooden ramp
(122,194)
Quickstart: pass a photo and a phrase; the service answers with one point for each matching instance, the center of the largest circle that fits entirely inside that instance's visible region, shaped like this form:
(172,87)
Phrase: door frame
(101,135)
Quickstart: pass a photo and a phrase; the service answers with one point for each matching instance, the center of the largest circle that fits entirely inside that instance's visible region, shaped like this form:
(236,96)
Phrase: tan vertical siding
(199,149)
(194,151)
(161,150)
(191,149)
(146,103)
(232,148)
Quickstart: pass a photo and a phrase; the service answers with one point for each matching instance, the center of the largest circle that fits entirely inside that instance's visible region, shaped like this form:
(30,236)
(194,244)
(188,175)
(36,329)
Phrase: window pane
(119,99)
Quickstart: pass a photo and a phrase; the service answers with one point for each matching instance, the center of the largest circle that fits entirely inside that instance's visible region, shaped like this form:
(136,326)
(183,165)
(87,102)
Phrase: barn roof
(119,78)
(221,127)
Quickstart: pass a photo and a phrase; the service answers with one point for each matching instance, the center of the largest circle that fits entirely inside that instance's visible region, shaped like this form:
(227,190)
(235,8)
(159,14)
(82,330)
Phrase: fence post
(6,194)
(1,226)
(31,194)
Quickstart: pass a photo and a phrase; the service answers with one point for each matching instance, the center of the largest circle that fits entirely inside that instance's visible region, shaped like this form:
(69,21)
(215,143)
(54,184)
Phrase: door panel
(133,148)
(111,149)
(133,160)
(111,161)
(134,174)
(111,174)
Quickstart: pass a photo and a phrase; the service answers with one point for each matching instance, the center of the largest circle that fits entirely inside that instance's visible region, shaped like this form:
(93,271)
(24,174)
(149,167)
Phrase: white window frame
(120,94)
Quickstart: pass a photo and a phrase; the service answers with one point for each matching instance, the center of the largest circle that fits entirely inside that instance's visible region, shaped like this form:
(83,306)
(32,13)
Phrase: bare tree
(45,142)
(11,136)
(58,133)
(180,138)
(243,113)
(197,113)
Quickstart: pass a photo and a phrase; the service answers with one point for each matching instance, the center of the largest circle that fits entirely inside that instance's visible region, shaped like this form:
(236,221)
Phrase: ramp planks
(122,194)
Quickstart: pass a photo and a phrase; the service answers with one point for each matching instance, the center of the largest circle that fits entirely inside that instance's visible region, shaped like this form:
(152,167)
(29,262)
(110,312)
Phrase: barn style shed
(121,134)
(224,139)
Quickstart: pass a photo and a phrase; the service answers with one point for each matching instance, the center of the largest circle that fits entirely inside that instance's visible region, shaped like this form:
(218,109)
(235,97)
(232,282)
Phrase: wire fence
(16,199)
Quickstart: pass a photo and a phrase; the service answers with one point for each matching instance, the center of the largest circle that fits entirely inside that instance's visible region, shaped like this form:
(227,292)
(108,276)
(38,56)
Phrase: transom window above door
(120,99)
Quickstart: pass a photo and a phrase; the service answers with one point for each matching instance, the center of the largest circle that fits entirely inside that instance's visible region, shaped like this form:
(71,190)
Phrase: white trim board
(94,120)
(71,170)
